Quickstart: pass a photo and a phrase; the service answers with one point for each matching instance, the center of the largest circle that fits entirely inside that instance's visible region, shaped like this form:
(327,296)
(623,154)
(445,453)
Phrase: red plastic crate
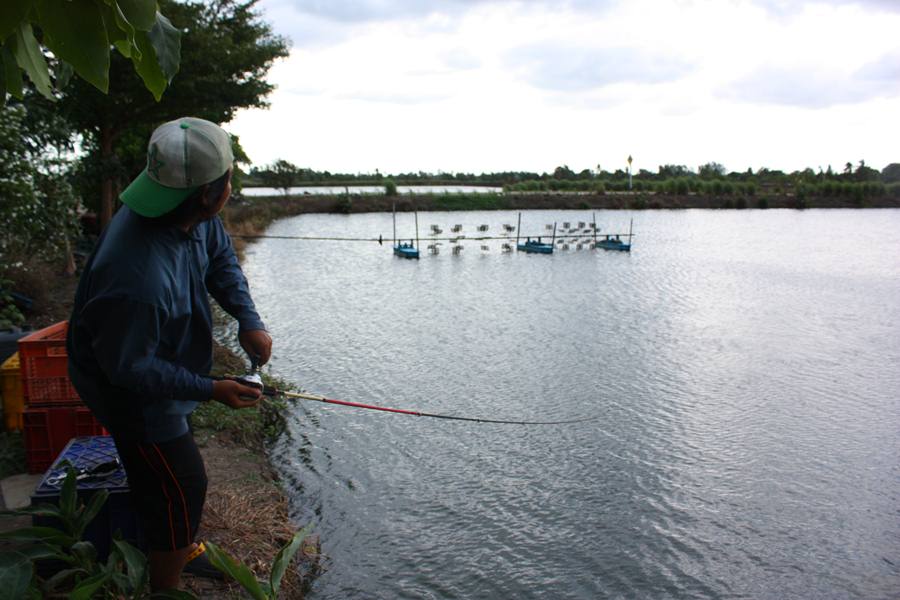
(45,371)
(49,429)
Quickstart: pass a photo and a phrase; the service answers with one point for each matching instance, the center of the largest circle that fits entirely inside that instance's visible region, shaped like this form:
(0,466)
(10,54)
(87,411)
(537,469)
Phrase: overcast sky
(483,85)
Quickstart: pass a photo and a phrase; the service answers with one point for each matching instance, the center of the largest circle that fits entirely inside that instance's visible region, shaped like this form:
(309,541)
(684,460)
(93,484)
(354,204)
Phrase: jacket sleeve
(125,336)
(225,280)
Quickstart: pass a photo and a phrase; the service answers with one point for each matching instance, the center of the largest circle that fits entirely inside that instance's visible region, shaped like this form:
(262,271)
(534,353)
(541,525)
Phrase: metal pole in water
(518,230)
(553,239)
(595,229)
(630,227)
(394,213)
(417,229)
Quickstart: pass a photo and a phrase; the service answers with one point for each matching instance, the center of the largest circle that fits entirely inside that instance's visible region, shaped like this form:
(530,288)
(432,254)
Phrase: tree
(80,34)
(711,170)
(39,208)
(283,175)
(891,173)
(226,53)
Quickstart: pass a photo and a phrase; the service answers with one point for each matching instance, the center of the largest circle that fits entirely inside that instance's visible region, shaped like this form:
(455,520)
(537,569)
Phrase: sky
(491,85)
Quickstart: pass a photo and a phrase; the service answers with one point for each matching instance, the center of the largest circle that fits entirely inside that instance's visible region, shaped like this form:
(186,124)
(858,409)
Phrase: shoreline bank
(286,205)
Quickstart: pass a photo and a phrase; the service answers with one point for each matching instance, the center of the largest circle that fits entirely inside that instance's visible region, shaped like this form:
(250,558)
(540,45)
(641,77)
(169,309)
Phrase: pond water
(742,366)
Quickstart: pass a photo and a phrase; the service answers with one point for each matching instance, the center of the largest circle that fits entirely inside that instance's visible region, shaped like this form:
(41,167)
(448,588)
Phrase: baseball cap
(182,156)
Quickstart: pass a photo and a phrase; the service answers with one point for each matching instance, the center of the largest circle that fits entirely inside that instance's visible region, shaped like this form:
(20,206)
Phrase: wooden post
(595,229)
(553,239)
(417,230)
(394,213)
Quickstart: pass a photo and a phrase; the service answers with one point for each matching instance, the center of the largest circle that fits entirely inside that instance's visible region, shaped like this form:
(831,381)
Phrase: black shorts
(168,487)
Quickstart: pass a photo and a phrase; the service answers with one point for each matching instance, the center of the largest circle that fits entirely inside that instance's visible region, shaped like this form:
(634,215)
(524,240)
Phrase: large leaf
(90,511)
(85,589)
(284,557)
(140,13)
(12,12)
(74,31)
(30,58)
(237,571)
(41,510)
(59,578)
(15,575)
(46,535)
(166,40)
(135,563)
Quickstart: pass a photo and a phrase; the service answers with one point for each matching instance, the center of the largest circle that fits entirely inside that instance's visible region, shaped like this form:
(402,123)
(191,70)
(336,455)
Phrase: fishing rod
(253,380)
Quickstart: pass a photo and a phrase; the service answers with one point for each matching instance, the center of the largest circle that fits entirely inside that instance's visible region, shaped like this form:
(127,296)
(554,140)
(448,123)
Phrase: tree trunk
(107,197)
(70,259)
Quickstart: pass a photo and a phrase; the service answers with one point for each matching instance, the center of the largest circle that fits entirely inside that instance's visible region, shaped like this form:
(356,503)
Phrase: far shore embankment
(260,211)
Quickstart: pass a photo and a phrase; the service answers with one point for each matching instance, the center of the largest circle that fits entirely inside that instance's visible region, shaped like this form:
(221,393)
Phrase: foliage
(12,454)
(283,175)
(39,208)
(80,34)
(259,590)
(123,575)
(10,315)
(225,55)
(390,188)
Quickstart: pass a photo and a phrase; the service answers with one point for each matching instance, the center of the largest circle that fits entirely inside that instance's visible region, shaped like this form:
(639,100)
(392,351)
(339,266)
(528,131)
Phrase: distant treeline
(711,178)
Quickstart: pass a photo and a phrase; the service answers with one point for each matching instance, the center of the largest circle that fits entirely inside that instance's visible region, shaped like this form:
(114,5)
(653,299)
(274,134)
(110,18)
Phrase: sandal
(198,564)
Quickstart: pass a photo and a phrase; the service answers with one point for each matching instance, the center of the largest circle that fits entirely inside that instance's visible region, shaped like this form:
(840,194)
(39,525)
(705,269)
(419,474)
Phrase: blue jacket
(140,336)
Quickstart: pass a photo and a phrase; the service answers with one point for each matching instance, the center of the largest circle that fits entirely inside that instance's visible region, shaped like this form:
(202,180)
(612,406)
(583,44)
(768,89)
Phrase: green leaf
(140,13)
(166,40)
(237,571)
(12,12)
(135,564)
(59,578)
(46,535)
(146,66)
(30,58)
(68,498)
(62,73)
(41,510)
(15,574)
(84,551)
(85,590)
(84,519)
(74,31)
(284,557)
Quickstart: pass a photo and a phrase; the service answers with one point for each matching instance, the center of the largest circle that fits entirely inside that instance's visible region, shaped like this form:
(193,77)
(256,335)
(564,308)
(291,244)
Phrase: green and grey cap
(183,155)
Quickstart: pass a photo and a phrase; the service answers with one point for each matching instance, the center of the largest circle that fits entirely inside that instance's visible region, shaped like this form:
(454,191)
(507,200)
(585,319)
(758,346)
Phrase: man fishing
(140,335)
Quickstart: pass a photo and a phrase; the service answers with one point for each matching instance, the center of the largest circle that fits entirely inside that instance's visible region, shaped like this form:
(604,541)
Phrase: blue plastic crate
(117,514)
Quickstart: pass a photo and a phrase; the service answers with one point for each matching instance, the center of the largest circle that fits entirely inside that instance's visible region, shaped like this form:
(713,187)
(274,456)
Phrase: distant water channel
(327,190)
(743,366)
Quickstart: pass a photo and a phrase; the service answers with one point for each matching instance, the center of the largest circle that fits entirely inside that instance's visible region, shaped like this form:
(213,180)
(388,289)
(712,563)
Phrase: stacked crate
(96,462)
(54,414)
(11,389)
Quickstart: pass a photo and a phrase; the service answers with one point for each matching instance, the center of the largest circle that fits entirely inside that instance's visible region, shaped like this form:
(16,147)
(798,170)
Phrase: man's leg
(168,486)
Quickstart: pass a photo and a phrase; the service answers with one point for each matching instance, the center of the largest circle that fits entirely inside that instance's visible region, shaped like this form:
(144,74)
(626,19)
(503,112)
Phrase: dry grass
(246,514)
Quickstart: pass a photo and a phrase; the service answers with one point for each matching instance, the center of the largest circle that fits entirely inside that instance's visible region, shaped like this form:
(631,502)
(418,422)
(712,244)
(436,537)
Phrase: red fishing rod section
(272,391)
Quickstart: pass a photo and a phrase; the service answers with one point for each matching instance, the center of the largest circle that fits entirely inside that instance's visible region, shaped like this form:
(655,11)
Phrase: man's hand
(234,394)
(258,344)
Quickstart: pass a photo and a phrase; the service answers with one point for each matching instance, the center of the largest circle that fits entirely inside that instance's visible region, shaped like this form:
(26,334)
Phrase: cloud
(815,87)
(785,7)
(562,67)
